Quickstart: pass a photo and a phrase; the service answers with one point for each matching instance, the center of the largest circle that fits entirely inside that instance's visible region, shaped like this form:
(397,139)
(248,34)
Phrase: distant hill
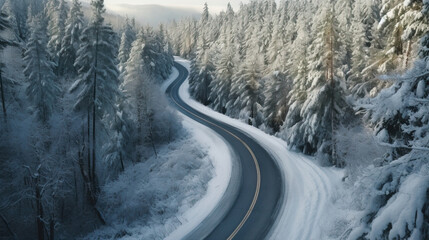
(153,14)
(115,19)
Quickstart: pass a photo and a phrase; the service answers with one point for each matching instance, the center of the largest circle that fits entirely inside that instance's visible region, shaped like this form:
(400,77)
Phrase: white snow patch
(171,194)
(310,190)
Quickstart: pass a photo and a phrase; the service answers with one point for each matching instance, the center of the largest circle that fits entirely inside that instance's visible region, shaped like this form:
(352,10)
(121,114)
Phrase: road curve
(255,206)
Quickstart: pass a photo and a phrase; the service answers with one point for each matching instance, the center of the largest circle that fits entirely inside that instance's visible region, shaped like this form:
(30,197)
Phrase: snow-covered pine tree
(42,90)
(358,82)
(205,15)
(202,72)
(325,103)
(278,41)
(119,148)
(152,119)
(188,38)
(127,39)
(154,53)
(220,86)
(400,185)
(400,113)
(135,75)
(97,81)
(248,89)
(402,22)
(266,33)
(367,43)
(56,13)
(344,14)
(291,129)
(275,108)
(229,13)
(71,41)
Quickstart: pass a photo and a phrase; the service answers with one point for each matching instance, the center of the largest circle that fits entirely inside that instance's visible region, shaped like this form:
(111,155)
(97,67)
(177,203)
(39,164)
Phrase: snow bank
(173,192)
(144,201)
(309,188)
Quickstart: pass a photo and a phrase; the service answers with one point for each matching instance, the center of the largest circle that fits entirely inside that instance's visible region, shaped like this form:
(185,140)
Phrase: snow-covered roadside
(310,189)
(171,194)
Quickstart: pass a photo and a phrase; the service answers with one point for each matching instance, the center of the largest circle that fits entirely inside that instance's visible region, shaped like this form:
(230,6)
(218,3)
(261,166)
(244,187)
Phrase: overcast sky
(215,6)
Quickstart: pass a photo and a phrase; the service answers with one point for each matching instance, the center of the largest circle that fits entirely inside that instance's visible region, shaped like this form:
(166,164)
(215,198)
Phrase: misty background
(150,12)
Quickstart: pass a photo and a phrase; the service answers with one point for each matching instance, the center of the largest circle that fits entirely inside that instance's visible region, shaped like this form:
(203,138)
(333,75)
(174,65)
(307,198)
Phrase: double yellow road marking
(258,172)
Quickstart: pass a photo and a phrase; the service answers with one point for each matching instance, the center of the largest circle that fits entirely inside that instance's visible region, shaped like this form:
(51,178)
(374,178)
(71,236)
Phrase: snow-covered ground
(307,211)
(173,192)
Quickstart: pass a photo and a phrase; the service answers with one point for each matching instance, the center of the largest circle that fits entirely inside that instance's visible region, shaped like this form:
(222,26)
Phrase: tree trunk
(94,97)
(408,54)
(331,81)
(152,138)
(76,197)
(139,104)
(88,142)
(3,102)
(122,162)
(52,229)
(91,195)
(39,215)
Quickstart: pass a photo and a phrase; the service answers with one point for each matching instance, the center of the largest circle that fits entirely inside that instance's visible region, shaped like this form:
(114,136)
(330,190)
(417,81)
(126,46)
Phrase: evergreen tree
(205,15)
(291,129)
(56,12)
(42,91)
(202,72)
(275,108)
(220,87)
(229,13)
(135,76)
(152,120)
(402,22)
(247,86)
(400,113)
(359,82)
(154,52)
(128,37)
(71,41)
(120,147)
(324,104)
(97,81)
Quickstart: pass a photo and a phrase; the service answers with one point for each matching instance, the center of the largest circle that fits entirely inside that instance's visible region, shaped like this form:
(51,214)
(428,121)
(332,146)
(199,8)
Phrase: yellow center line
(258,172)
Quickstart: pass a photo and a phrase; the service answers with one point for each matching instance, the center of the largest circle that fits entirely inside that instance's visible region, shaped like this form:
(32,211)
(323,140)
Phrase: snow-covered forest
(81,104)
(90,147)
(334,79)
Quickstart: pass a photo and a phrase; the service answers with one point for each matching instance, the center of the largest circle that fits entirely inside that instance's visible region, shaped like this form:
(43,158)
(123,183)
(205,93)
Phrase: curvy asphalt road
(254,206)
